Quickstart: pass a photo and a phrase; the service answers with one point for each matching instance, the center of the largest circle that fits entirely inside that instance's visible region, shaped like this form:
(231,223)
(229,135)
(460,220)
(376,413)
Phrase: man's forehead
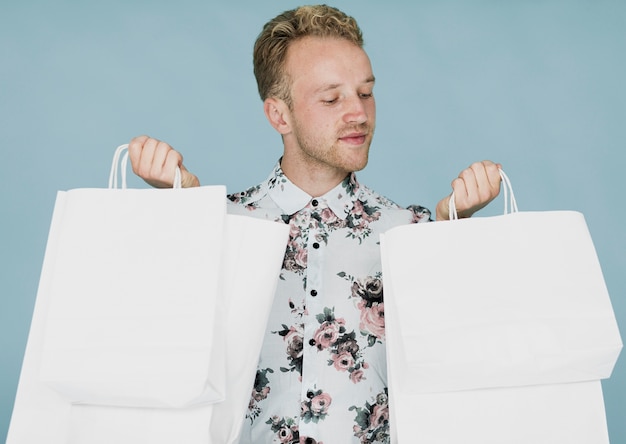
(326,63)
(323,48)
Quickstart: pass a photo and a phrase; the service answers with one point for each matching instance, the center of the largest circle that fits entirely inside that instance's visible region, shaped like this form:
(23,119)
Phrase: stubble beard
(338,155)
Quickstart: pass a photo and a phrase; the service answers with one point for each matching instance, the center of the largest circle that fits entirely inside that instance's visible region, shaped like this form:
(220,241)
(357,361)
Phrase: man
(322,371)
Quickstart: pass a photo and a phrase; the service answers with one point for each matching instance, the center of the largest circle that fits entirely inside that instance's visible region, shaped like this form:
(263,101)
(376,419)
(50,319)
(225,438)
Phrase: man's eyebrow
(332,86)
(328,87)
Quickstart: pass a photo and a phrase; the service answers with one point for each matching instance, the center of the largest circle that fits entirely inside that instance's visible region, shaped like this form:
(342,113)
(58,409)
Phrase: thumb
(188,180)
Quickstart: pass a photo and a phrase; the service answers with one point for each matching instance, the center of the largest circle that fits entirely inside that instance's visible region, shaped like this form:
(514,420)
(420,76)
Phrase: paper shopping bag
(147,356)
(117,322)
(256,246)
(507,301)
(540,414)
(134,313)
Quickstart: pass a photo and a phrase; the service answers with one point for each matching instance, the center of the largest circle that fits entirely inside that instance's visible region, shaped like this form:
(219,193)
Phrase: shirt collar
(292,199)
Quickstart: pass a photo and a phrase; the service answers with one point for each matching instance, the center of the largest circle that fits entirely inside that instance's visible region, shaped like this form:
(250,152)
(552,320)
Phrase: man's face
(333,113)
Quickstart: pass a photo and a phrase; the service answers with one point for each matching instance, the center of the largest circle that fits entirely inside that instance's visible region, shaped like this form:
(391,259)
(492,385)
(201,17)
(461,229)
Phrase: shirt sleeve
(420,214)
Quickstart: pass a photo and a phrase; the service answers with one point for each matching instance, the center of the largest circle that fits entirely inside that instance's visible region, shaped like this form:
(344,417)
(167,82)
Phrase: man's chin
(359,158)
(358,165)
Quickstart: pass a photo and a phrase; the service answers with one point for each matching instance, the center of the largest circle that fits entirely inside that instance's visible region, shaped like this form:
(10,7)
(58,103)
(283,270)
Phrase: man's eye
(330,101)
(366,95)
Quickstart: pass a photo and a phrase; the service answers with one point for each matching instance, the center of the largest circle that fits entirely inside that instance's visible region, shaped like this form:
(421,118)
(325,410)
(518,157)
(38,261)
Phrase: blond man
(322,374)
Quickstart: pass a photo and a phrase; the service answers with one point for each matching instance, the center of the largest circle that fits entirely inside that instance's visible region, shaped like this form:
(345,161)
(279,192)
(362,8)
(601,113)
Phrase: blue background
(535,85)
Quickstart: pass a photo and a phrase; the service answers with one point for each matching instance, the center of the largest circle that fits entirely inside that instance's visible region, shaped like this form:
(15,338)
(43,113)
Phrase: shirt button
(314,202)
(312,342)
(316,245)
(310,394)
(313,293)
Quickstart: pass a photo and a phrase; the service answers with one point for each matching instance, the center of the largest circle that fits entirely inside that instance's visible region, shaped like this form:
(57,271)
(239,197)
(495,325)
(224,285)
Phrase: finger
(146,158)
(468,186)
(135,147)
(487,181)
(482,187)
(159,158)
(493,178)
(172,160)
(460,192)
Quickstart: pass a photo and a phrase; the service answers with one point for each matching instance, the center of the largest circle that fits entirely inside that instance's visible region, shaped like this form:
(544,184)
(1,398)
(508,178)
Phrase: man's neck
(315,180)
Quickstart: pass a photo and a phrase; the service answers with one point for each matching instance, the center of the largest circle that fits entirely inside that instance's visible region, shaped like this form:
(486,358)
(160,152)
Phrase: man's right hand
(155,162)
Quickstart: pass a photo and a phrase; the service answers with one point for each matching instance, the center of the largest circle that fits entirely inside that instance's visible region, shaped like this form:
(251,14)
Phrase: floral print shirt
(322,374)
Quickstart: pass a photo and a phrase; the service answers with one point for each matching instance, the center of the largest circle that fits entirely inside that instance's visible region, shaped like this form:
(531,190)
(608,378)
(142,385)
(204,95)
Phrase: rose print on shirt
(316,406)
(329,330)
(308,440)
(246,198)
(296,252)
(345,353)
(359,219)
(297,310)
(293,337)
(286,429)
(368,294)
(259,392)
(372,420)
(420,214)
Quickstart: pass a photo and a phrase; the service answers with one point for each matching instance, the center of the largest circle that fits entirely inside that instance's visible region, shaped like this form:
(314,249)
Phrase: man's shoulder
(245,202)
(249,196)
(254,202)
(367,194)
(370,197)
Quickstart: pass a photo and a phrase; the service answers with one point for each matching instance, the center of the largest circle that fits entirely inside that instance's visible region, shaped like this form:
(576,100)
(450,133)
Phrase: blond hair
(270,48)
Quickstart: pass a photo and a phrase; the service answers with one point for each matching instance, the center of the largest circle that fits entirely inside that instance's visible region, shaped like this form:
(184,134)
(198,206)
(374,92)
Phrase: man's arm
(475,187)
(155,162)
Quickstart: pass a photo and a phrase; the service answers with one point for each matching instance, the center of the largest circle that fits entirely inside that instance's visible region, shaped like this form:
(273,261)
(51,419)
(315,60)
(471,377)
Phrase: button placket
(313,295)
(315,251)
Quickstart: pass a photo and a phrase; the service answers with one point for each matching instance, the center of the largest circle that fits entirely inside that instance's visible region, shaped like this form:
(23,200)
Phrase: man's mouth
(354,138)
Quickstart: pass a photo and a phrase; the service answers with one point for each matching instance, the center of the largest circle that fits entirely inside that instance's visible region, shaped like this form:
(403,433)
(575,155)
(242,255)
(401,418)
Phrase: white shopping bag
(130,326)
(541,414)
(498,302)
(134,315)
(256,246)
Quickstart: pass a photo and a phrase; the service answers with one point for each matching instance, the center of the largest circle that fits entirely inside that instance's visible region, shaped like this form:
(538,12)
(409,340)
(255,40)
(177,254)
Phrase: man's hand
(155,162)
(475,187)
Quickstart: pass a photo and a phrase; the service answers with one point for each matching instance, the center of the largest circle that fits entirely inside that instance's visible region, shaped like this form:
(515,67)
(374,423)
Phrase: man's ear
(278,114)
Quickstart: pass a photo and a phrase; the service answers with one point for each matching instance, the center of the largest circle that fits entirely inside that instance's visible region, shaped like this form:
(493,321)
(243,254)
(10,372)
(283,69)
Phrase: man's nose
(355,111)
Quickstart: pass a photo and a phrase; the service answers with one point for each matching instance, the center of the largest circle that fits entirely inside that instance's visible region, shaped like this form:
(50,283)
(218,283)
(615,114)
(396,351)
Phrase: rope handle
(510,204)
(113,175)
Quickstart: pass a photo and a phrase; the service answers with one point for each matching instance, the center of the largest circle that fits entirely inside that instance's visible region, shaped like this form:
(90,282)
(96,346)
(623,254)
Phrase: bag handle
(113,175)
(510,204)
